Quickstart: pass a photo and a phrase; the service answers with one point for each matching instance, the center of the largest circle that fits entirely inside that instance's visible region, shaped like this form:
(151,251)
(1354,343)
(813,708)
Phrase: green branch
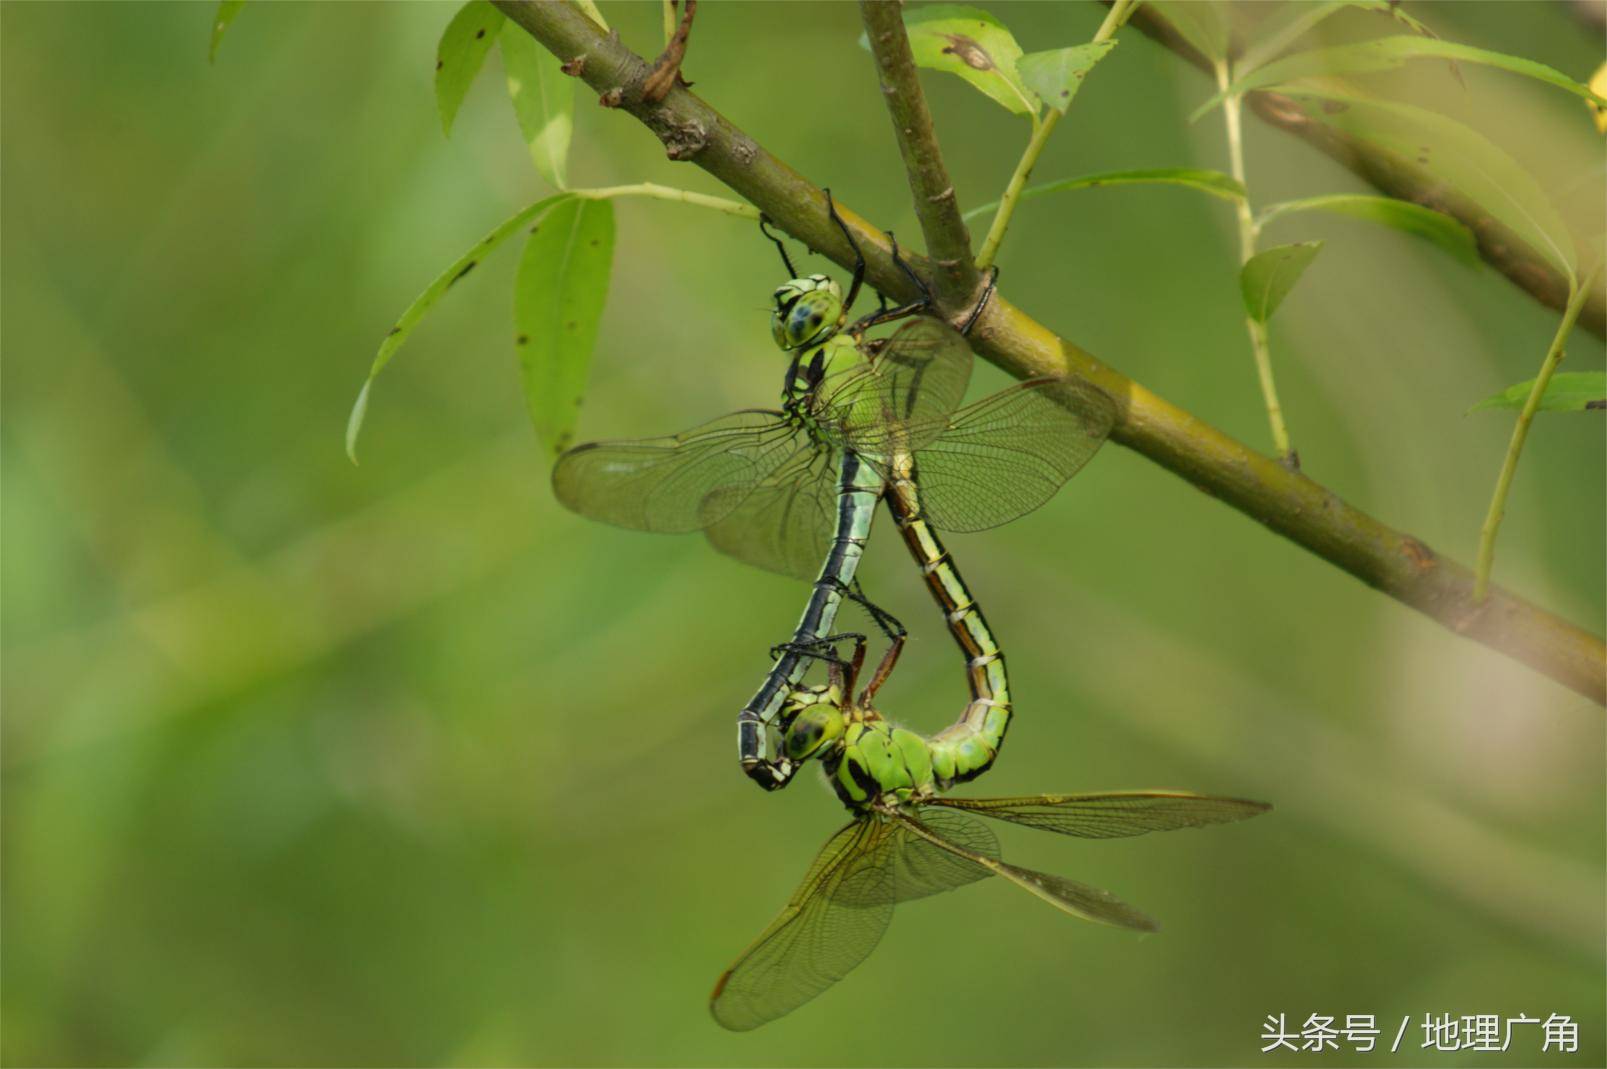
(1286,502)
(1520,432)
(1257,329)
(1118,14)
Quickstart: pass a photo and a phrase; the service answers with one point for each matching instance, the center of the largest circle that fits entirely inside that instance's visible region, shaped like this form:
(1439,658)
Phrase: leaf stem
(1041,129)
(1232,112)
(1520,431)
(683,196)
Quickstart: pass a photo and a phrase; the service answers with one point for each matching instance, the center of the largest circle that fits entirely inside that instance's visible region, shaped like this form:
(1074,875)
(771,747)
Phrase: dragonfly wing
(1112,815)
(667,484)
(831,924)
(841,909)
(1069,896)
(925,868)
(916,379)
(785,523)
(1007,454)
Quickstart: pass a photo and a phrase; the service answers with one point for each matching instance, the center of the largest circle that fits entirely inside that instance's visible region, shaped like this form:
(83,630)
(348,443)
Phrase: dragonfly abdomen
(859,487)
(967,748)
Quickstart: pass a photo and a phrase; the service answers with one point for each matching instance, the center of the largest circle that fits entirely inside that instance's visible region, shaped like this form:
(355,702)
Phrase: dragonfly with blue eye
(794,490)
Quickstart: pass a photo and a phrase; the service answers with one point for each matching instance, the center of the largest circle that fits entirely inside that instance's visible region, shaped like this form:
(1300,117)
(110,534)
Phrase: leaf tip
(354,422)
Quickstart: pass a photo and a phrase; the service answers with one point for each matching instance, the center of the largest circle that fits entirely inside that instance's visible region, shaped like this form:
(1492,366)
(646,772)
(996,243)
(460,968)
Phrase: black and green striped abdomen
(967,748)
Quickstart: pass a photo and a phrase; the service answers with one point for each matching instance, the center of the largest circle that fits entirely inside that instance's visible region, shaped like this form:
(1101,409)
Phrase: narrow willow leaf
(425,301)
(1269,276)
(1388,53)
(1057,75)
(558,304)
(592,12)
(1213,182)
(227,10)
(1443,230)
(543,100)
(1293,21)
(1202,23)
(971,43)
(460,55)
(1457,155)
(1568,391)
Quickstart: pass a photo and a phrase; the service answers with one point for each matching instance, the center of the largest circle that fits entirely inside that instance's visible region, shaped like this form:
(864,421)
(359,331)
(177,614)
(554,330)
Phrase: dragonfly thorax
(869,761)
(807,312)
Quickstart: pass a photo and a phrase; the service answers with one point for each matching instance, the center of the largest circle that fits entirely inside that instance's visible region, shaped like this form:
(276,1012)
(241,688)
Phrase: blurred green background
(403,764)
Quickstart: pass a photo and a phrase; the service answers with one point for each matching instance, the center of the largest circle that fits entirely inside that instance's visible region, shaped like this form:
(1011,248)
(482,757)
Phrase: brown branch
(1405,179)
(948,242)
(1285,501)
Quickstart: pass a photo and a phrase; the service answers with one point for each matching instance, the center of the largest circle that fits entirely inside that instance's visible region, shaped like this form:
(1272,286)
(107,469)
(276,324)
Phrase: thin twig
(1406,179)
(1286,502)
(1118,14)
(1520,431)
(1257,329)
(948,242)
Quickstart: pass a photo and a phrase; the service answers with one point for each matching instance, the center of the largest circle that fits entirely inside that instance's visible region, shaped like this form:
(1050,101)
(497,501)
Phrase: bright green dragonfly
(907,841)
(791,488)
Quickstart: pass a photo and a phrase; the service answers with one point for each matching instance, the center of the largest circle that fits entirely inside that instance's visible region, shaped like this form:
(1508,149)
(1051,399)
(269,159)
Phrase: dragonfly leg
(764,228)
(885,314)
(982,302)
(883,670)
(824,648)
(858,279)
(889,624)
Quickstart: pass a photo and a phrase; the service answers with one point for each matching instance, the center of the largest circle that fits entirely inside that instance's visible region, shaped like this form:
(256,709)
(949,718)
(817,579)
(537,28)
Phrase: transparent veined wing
(1069,896)
(838,914)
(667,484)
(1111,815)
(1005,455)
(915,380)
(785,523)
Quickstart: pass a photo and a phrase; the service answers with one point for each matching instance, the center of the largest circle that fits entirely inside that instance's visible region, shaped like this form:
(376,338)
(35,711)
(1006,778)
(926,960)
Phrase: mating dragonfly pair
(866,421)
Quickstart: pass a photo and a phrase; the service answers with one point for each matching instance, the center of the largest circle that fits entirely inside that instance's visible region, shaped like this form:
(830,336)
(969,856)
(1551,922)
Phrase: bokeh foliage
(308,763)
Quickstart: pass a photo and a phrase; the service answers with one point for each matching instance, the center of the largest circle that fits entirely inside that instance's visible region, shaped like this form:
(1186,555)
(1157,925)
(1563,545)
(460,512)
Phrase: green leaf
(425,301)
(1213,182)
(1568,391)
(1443,230)
(1200,22)
(971,43)
(1292,21)
(1455,154)
(543,100)
(1388,53)
(558,303)
(1269,276)
(1057,75)
(461,54)
(227,10)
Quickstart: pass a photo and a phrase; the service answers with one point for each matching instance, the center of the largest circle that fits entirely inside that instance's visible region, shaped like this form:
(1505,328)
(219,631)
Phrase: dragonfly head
(814,719)
(807,312)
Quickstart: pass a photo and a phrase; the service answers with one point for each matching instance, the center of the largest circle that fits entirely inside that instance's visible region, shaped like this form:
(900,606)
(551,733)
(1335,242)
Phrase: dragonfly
(794,490)
(908,841)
